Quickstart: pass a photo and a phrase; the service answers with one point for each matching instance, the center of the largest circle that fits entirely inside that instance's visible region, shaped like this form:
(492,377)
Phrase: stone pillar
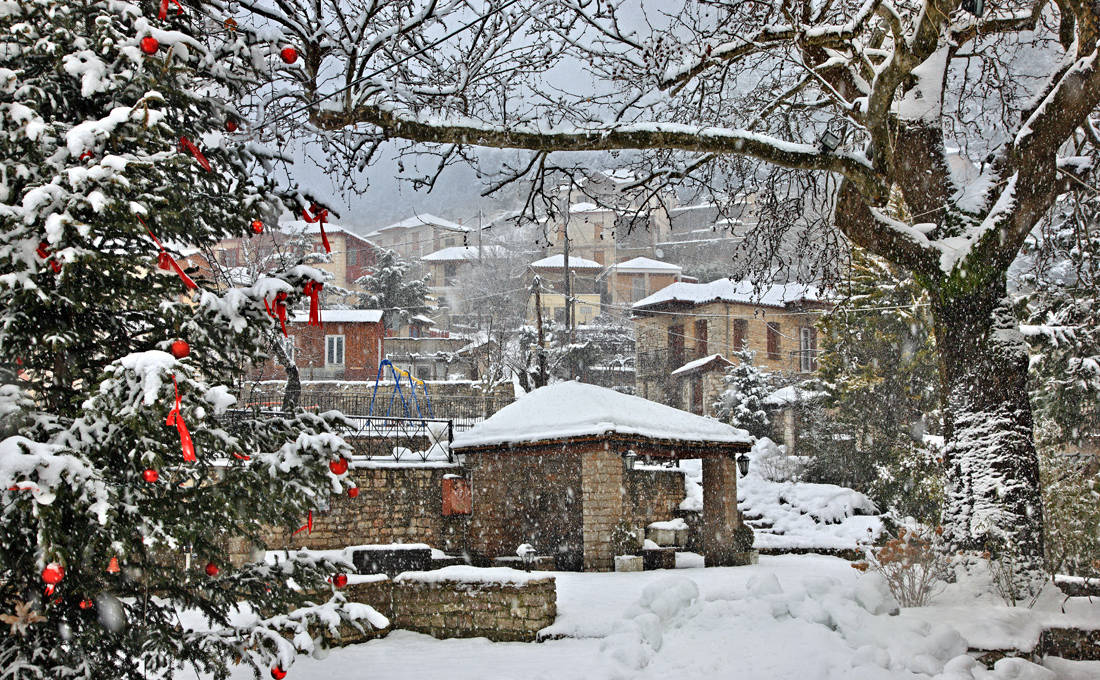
(720,516)
(601,505)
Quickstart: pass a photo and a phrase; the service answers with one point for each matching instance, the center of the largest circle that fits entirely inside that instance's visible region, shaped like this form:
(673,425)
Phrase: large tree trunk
(992,499)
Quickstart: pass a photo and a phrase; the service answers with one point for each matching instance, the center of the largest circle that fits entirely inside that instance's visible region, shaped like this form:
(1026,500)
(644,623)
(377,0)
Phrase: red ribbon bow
(307,527)
(319,216)
(163,14)
(174,418)
(187,145)
(311,291)
(277,310)
(44,252)
(166,261)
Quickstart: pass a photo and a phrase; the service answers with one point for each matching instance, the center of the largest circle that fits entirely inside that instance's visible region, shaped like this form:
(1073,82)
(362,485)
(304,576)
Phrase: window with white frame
(334,350)
(807,350)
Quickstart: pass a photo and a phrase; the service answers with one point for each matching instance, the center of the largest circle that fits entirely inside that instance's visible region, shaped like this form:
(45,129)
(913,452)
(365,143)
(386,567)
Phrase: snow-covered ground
(803,617)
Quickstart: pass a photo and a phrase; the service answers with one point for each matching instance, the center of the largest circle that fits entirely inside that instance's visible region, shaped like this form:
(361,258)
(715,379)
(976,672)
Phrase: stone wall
(602,505)
(526,498)
(654,494)
(397,503)
(457,608)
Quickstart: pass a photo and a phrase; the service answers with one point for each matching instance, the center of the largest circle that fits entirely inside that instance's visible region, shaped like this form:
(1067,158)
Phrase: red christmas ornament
(86,604)
(340,580)
(353,492)
(230,125)
(187,446)
(149,45)
(52,575)
(150,475)
(211,569)
(112,566)
(258,226)
(180,349)
(278,673)
(339,467)
(289,55)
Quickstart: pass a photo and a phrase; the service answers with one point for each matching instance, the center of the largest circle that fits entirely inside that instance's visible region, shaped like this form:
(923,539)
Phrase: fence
(378,436)
(462,411)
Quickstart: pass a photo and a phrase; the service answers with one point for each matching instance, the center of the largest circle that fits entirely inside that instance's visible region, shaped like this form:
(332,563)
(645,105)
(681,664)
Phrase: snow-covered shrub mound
(794,515)
(641,633)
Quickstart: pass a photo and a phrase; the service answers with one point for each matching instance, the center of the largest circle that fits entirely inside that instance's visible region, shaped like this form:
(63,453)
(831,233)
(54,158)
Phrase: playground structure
(397,374)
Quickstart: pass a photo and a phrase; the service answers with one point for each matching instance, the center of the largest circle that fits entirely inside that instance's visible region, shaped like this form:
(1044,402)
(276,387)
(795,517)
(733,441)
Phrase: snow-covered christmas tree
(745,386)
(121,475)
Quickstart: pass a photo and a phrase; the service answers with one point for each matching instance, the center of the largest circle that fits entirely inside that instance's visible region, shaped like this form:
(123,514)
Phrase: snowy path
(790,617)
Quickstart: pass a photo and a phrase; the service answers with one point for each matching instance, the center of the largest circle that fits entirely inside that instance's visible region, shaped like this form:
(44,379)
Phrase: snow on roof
(727,290)
(791,394)
(463,253)
(343,316)
(421,220)
(303,227)
(587,207)
(646,264)
(574,409)
(558,262)
(692,366)
(423,319)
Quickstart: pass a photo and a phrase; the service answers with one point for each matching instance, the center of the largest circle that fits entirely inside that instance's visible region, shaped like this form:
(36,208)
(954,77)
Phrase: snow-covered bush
(773,463)
(913,568)
(1071,513)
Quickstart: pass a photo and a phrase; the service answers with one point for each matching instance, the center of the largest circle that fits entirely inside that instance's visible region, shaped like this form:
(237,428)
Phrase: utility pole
(540,377)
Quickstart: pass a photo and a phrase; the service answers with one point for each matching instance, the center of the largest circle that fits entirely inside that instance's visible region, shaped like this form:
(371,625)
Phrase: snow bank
(794,515)
(467,574)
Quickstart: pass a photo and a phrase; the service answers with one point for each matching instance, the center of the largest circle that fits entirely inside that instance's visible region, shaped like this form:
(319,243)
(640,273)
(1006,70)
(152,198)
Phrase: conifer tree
(392,286)
(741,402)
(882,390)
(121,477)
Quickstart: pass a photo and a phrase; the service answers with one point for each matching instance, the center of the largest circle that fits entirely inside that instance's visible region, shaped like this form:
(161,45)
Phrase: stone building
(637,278)
(685,322)
(419,235)
(555,470)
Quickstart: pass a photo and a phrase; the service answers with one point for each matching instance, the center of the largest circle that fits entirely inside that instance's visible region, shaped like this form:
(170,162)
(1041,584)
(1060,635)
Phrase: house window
(637,288)
(230,257)
(334,350)
(700,338)
(353,258)
(740,332)
(773,340)
(697,395)
(807,350)
(450,270)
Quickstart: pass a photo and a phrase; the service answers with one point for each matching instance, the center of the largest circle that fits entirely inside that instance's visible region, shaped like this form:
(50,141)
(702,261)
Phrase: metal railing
(374,437)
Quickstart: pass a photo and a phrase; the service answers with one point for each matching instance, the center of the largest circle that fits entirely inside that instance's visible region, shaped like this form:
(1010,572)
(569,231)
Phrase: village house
(557,470)
(244,259)
(637,278)
(585,287)
(416,236)
(347,345)
(686,332)
(429,353)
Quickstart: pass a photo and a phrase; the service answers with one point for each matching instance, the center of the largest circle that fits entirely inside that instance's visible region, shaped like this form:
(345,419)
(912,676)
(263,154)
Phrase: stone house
(347,345)
(416,236)
(685,322)
(698,383)
(555,470)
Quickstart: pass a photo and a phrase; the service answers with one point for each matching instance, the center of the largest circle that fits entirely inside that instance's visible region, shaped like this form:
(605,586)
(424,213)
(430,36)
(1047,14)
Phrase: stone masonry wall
(526,498)
(602,506)
(397,503)
(457,609)
(654,494)
(454,609)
